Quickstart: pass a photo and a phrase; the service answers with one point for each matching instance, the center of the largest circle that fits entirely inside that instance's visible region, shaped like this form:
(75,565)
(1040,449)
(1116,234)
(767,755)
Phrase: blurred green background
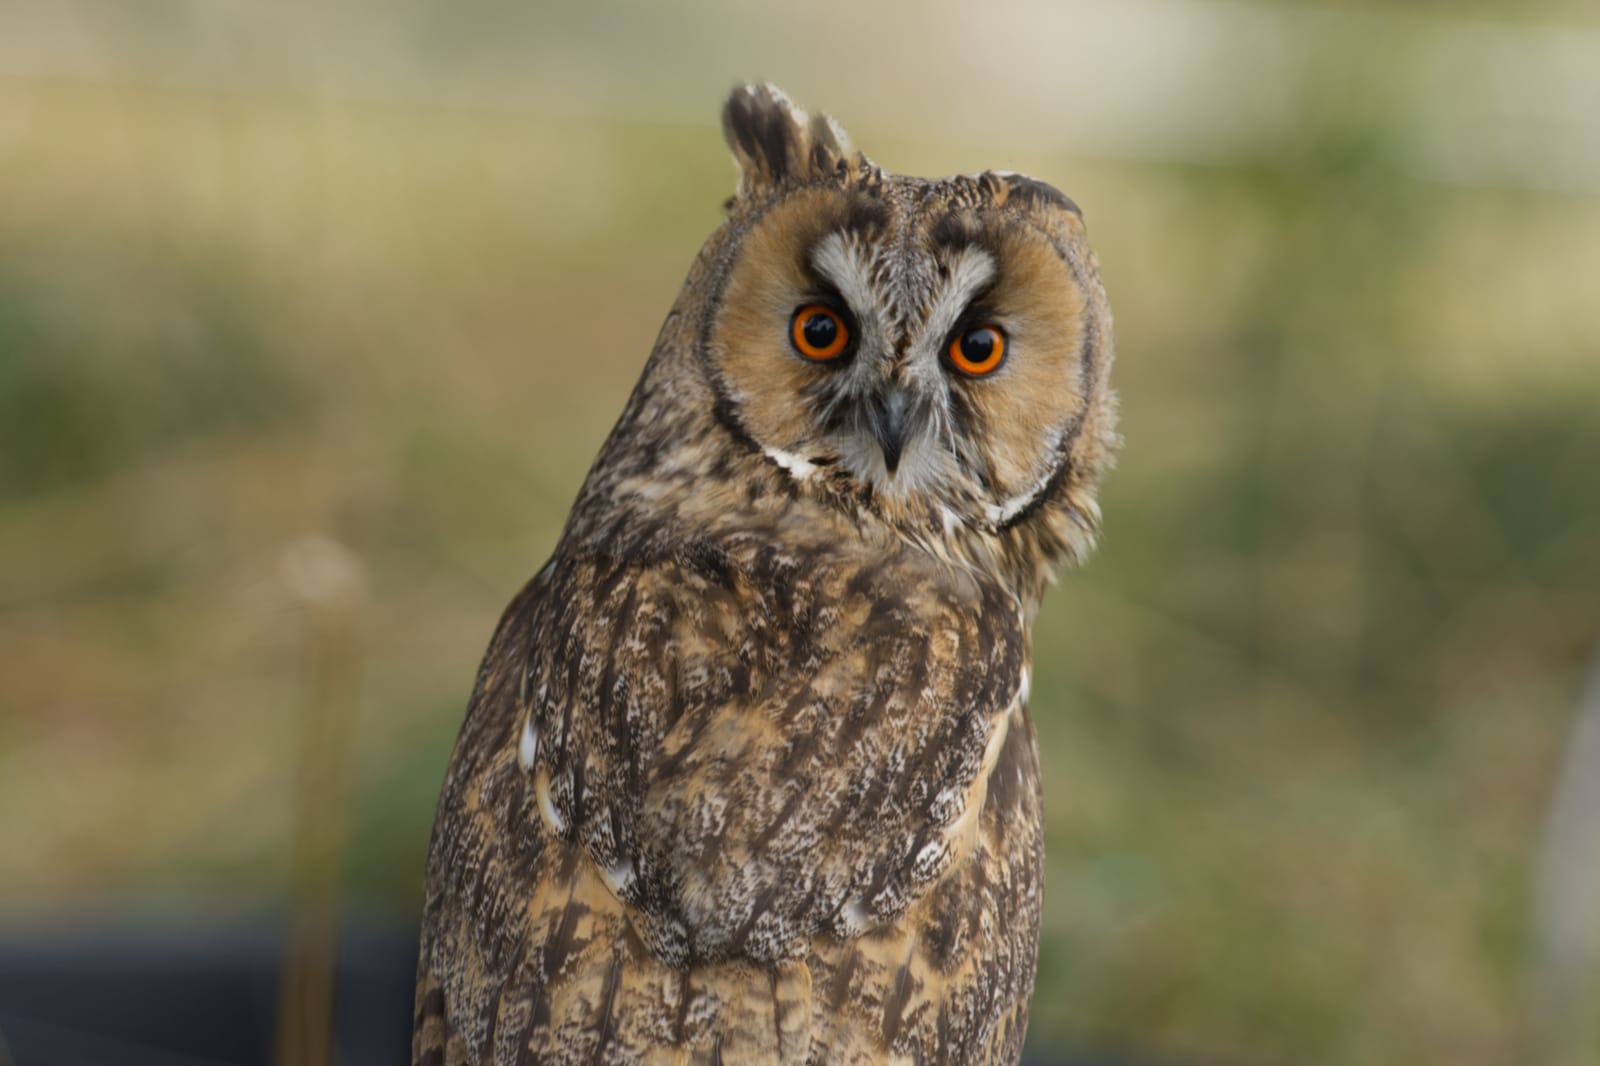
(382,275)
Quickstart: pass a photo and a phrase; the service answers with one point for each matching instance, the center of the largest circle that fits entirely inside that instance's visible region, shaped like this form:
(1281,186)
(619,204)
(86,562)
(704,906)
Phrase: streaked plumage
(748,773)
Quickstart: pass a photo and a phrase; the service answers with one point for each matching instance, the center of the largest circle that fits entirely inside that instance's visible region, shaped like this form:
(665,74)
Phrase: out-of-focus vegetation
(1300,716)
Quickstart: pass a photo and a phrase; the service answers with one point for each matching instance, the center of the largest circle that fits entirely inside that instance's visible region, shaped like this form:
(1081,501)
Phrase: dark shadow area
(183,993)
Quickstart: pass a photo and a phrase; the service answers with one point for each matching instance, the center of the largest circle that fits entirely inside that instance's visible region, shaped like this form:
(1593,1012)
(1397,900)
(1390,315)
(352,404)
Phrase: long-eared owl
(748,774)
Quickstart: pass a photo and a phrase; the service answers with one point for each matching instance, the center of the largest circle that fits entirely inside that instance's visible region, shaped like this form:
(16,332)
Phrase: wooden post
(327,580)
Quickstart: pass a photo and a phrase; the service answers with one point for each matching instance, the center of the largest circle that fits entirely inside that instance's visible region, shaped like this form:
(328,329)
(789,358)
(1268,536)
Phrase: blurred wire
(1562,1017)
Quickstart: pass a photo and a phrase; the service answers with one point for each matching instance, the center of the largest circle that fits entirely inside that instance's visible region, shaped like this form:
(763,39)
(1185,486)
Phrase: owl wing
(683,785)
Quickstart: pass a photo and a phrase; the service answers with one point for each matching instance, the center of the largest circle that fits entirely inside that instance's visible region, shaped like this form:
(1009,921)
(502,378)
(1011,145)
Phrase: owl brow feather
(972,272)
(839,260)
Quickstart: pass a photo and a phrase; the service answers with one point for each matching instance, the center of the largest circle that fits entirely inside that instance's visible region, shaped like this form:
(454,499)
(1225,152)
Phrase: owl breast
(778,738)
(765,756)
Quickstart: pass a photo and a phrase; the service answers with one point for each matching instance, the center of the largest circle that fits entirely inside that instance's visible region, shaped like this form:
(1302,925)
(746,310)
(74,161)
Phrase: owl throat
(928,501)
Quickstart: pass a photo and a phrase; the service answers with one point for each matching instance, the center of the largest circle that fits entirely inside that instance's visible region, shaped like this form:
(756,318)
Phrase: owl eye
(978,351)
(819,333)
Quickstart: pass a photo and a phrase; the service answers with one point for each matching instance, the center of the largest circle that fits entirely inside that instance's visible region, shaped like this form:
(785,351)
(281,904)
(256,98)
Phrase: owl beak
(891,415)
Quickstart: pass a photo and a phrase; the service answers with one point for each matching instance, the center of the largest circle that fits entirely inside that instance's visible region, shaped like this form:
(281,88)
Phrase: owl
(748,775)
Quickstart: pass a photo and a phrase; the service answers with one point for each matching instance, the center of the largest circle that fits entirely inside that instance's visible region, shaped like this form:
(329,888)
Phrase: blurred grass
(1298,716)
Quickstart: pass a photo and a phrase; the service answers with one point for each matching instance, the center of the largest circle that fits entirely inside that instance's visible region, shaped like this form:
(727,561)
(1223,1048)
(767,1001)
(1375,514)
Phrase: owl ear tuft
(1021,189)
(774,142)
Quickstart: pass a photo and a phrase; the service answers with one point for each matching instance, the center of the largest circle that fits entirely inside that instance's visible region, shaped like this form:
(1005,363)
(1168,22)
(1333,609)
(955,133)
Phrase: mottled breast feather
(742,759)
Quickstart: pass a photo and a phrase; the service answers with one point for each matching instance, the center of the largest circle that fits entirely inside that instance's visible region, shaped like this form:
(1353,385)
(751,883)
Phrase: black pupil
(978,345)
(820,329)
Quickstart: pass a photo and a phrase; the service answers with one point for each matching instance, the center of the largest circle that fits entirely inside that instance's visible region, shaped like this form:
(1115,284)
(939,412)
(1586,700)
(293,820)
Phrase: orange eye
(819,333)
(978,351)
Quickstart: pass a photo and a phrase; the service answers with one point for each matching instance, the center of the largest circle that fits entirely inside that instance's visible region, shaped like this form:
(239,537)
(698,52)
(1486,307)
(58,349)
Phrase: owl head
(927,357)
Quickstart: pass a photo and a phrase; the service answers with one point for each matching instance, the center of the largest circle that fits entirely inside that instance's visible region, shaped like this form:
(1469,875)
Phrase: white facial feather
(972,269)
(848,266)
(926,460)
(797,466)
(1001,513)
